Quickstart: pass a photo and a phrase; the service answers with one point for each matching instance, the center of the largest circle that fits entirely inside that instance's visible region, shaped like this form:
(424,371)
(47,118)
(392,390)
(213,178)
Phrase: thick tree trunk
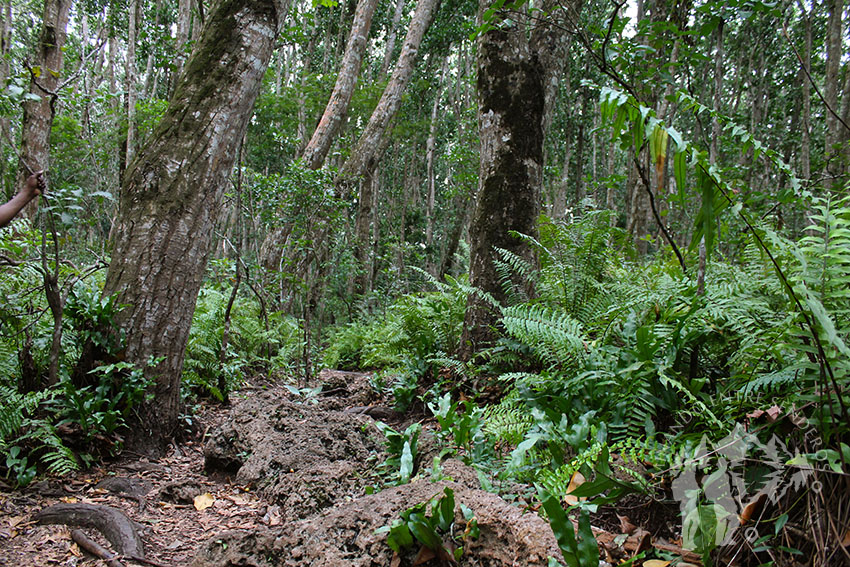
(38,114)
(366,150)
(337,108)
(510,125)
(171,195)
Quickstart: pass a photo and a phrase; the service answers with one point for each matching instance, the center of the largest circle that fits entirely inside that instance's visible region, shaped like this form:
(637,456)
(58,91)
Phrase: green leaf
(561,527)
(424,532)
(406,463)
(399,536)
(588,548)
(445,512)
(680,168)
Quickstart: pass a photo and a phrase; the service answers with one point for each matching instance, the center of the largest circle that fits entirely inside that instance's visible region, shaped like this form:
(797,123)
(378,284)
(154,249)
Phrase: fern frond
(554,337)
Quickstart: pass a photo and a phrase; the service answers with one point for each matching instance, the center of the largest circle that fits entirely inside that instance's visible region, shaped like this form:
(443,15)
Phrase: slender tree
(45,79)
(318,146)
(366,149)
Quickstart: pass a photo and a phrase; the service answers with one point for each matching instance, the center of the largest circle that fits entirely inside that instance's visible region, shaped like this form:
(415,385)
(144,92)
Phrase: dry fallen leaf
(69,500)
(576,481)
(626,526)
(845,541)
(754,507)
(424,556)
(656,563)
(204,501)
(272,516)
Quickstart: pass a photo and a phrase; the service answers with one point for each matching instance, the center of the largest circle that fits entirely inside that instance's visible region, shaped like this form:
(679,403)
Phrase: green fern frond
(554,337)
(507,421)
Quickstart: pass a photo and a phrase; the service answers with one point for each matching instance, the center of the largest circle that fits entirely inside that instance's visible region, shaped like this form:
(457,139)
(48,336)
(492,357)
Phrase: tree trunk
(366,150)
(337,108)
(5,72)
(151,82)
(171,195)
(805,87)
(510,124)
(391,38)
(38,114)
(834,53)
(430,150)
(184,21)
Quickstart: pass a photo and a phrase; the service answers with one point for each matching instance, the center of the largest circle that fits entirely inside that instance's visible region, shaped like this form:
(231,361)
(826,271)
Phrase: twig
(144,561)
(645,179)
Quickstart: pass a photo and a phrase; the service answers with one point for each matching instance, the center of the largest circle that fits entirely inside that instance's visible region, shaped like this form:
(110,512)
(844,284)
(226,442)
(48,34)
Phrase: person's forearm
(13,207)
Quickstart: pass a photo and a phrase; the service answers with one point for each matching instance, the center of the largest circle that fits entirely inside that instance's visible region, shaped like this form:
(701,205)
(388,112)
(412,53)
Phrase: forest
(425,282)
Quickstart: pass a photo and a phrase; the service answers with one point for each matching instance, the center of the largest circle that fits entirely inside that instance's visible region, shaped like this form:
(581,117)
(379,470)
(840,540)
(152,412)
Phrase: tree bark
(171,195)
(337,107)
(430,150)
(392,33)
(38,114)
(834,53)
(366,150)
(510,124)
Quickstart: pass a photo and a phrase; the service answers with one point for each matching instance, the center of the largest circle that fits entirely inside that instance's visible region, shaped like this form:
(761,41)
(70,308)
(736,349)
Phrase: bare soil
(278,479)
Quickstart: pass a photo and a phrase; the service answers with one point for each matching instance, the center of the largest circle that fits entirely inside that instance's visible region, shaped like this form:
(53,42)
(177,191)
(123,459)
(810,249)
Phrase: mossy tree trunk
(171,195)
(510,123)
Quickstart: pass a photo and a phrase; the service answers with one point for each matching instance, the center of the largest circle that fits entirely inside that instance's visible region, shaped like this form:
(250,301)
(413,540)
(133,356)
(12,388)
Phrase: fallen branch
(95,549)
(114,525)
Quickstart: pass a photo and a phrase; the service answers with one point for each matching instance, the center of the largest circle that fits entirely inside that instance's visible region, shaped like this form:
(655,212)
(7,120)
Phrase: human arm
(33,186)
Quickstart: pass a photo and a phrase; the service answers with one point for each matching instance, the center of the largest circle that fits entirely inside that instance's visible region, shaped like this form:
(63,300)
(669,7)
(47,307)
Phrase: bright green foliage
(26,440)
(402,450)
(412,336)
(102,409)
(462,425)
(251,348)
(578,549)
(438,531)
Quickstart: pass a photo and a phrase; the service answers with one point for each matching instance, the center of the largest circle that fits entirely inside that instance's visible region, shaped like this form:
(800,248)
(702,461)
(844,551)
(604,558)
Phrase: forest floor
(282,478)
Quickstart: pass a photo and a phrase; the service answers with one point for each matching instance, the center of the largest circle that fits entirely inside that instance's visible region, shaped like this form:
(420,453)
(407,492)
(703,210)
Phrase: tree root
(95,549)
(114,525)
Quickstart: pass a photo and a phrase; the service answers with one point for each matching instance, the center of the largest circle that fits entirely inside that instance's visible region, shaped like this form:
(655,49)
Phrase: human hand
(35,184)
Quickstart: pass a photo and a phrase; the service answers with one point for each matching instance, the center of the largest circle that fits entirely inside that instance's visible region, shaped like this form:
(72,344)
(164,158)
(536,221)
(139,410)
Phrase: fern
(507,421)
(554,337)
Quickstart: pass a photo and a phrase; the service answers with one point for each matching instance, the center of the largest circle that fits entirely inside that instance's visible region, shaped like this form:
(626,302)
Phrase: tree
(38,113)
(365,154)
(510,125)
(323,136)
(171,194)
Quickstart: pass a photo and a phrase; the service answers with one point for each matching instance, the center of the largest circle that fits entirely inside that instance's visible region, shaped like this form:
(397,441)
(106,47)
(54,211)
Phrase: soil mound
(313,457)
(345,536)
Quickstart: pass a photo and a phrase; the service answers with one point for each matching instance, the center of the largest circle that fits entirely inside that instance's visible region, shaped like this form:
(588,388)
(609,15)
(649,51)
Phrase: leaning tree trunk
(38,114)
(337,108)
(510,125)
(366,150)
(172,192)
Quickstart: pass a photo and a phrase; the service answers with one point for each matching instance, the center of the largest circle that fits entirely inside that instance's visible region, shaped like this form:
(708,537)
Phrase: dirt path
(279,479)
(163,504)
